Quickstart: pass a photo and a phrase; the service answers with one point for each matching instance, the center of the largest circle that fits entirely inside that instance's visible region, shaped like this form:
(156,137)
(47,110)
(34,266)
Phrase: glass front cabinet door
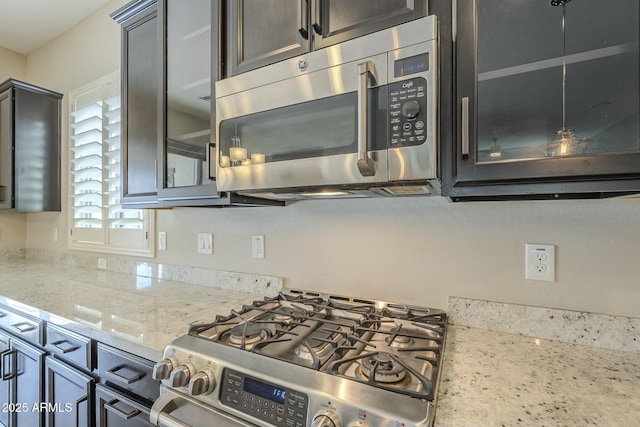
(546,99)
(187,40)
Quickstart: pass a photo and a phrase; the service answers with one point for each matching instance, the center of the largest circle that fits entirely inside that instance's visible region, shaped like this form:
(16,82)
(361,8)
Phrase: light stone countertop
(488,378)
(498,379)
(138,314)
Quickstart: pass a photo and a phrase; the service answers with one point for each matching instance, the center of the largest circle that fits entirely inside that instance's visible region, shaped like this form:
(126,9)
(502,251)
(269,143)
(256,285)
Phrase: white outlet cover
(540,262)
(205,243)
(162,241)
(257,246)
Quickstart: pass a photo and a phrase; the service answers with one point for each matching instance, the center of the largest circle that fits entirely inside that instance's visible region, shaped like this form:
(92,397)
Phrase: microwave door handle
(367,73)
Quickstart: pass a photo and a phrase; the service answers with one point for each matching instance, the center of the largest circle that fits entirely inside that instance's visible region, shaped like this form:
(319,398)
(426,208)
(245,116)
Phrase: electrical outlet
(205,243)
(102,263)
(257,246)
(540,262)
(162,241)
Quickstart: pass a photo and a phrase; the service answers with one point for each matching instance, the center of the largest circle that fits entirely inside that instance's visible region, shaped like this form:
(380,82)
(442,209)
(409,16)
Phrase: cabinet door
(37,151)
(547,97)
(114,409)
(70,392)
(28,387)
(141,85)
(5,379)
(262,32)
(338,20)
(187,39)
(6,152)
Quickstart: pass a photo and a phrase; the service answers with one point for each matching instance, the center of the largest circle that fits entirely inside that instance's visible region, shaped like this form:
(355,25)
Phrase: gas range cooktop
(307,359)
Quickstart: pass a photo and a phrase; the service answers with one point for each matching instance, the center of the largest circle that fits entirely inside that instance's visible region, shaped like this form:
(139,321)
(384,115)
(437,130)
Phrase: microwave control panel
(408,112)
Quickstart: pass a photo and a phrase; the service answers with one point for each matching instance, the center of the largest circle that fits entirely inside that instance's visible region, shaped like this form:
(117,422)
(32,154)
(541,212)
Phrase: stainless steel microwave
(356,119)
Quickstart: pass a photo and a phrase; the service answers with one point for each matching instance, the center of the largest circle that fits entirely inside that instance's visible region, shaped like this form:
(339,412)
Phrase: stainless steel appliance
(355,119)
(305,359)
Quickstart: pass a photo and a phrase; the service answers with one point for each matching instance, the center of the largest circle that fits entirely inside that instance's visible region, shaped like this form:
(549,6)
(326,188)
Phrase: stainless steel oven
(305,359)
(355,119)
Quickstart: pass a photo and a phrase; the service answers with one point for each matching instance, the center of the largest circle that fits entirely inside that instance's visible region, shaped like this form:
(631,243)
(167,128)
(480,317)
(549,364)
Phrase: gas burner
(399,341)
(286,314)
(383,367)
(244,335)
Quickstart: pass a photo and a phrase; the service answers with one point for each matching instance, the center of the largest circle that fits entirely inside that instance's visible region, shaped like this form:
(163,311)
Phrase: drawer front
(30,329)
(70,347)
(114,409)
(127,372)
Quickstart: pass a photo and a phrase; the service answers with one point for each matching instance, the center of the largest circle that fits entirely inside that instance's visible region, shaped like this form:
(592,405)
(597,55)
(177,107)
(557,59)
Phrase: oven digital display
(411,65)
(266,391)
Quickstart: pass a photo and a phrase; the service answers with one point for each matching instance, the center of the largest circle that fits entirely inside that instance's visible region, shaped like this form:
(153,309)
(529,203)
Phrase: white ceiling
(26,25)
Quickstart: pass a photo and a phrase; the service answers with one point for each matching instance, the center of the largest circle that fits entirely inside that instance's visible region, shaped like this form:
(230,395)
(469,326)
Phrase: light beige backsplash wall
(410,250)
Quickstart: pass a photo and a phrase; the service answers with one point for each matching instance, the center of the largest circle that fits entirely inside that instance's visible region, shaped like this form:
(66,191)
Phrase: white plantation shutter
(97,220)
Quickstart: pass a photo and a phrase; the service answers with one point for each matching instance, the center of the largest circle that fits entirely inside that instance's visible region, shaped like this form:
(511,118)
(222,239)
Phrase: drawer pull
(23,327)
(13,363)
(2,314)
(124,374)
(126,415)
(60,347)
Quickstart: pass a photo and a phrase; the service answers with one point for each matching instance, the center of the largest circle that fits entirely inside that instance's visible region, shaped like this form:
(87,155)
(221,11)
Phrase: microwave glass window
(525,111)
(318,128)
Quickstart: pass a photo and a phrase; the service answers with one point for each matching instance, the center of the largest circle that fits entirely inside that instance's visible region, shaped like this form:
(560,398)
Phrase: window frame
(138,242)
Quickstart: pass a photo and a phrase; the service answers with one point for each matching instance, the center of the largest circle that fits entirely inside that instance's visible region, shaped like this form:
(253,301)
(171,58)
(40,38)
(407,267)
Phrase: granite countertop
(498,379)
(488,378)
(135,313)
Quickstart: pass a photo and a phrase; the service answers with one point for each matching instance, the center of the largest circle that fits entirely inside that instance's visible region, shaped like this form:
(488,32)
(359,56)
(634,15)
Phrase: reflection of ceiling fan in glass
(565,143)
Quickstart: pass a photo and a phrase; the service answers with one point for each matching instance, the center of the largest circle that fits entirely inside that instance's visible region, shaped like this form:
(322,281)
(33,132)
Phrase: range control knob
(326,418)
(202,383)
(358,423)
(411,109)
(162,369)
(182,374)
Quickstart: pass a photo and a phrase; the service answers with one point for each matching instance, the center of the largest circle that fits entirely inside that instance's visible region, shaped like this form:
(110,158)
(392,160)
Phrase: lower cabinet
(53,377)
(126,390)
(69,394)
(115,409)
(21,383)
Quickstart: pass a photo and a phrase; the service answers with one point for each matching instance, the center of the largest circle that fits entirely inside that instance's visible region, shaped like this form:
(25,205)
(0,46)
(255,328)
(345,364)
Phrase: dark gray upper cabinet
(169,64)
(140,87)
(546,99)
(188,47)
(261,32)
(29,147)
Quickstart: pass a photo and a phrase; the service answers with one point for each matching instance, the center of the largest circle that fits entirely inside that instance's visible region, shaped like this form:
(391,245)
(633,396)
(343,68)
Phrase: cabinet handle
(465,126)
(302,13)
(367,72)
(317,19)
(111,373)
(23,327)
(12,360)
(63,350)
(126,415)
(2,314)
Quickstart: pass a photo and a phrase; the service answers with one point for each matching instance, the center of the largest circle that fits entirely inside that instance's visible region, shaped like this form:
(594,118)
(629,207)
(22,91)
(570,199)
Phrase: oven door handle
(158,415)
(367,74)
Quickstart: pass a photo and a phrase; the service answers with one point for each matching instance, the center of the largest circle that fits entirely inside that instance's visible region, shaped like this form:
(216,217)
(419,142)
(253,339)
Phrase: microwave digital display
(411,65)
